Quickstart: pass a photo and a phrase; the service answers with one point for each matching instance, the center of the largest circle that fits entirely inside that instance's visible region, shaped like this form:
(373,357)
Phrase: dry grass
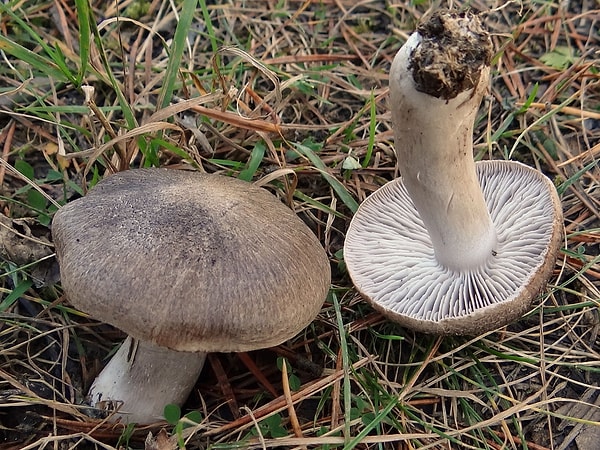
(292,95)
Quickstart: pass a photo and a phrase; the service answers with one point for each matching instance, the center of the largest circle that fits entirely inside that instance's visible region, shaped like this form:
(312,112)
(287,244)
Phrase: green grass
(364,382)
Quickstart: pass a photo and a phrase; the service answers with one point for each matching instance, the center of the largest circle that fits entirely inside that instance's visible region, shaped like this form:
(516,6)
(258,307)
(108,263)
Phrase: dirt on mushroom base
(549,353)
(444,63)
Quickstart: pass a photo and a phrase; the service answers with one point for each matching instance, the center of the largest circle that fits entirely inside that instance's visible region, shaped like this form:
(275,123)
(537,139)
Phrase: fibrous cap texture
(190,261)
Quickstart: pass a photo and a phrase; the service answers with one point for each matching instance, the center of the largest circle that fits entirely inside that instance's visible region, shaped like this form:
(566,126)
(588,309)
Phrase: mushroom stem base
(142,378)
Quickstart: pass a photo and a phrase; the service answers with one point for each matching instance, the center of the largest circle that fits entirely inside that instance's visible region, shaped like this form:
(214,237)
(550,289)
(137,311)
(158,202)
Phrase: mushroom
(452,246)
(185,263)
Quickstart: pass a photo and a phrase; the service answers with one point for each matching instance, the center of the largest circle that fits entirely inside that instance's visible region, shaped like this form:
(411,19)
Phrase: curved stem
(142,378)
(433,140)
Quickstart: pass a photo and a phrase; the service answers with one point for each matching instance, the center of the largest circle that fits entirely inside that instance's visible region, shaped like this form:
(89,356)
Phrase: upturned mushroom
(452,246)
(185,263)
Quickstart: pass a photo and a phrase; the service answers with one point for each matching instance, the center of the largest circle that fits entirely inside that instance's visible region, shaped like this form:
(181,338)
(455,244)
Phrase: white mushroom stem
(433,140)
(142,378)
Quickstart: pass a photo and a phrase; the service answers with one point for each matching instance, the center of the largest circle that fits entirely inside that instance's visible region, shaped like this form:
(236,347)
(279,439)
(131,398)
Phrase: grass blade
(209,26)
(256,157)
(38,62)
(176,52)
(83,13)
(372,130)
(345,365)
(17,292)
(53,65)
(338,187)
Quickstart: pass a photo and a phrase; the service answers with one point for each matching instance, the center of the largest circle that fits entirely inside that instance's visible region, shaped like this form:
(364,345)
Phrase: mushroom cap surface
(190,261)
(391,260)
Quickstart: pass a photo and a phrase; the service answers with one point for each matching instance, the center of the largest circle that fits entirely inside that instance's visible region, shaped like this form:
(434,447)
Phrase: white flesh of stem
(433,139)
(142,379)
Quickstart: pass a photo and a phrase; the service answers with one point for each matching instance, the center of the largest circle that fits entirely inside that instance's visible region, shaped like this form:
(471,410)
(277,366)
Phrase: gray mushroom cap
(190,261)
(391,260)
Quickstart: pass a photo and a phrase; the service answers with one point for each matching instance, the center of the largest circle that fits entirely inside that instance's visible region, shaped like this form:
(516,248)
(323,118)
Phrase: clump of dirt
(453,50)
